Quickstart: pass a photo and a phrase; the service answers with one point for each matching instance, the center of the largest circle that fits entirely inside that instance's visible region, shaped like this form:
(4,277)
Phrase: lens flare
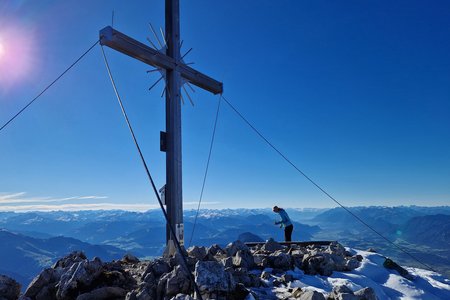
(17,55)
(2,49)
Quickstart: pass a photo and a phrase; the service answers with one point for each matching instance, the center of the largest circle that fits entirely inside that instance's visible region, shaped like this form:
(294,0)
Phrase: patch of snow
(387,284)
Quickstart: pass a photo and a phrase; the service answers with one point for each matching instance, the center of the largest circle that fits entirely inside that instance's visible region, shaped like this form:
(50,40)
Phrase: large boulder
(311,295)
(79,278)
(321,264)
(69,260)
(232,248)
(199,253)
(336,248)
(145,291)
(104,293)
(9,288)
(174,283)
(342,292)
(158,267)
(182,297)
(366,294)
(43,285)
(271,246)
(280,260)
(130,259)
(212,278)
(390,264)
(352,263)
(214,250)
(243,259)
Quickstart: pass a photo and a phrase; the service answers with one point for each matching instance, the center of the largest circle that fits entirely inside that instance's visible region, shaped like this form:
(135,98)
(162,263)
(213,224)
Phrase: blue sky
(356,93)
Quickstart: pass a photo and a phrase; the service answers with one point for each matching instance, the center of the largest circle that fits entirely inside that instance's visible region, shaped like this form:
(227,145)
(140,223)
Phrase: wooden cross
(175,70)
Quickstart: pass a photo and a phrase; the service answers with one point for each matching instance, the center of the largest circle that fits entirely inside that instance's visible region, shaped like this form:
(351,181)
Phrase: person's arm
(278,222)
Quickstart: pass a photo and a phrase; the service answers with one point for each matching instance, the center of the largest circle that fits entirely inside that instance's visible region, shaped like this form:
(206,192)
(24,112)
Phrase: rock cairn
(233,272)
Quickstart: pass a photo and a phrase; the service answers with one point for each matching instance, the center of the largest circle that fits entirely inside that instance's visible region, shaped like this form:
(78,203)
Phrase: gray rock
(103,293)
(351,264)
(199,253)
(340,263)
(243,259)
(131,295)
(42,283)
(69,260)
(82,274)
(277,283)
(265,275)
(339,289)
(130,258)
(390,264)
(232,248)
(9,288)
(214,250)
(145,291)
(296,292)
(241,275)
(175,282)
(342,292)
(211,277)
(158,267)
(366,294)
(259,258)
(182,297)
(372,250)
(346,296)
(311,295)
(280,260)
(271,246)
(318,264)
(287,278)
(227,262)
(336,248)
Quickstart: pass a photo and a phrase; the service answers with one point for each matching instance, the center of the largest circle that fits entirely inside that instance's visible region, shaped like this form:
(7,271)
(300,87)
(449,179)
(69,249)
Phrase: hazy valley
(34,240)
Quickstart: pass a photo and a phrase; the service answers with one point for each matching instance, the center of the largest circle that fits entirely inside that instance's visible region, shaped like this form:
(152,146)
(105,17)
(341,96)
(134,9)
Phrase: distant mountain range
(22,257)
(35,239)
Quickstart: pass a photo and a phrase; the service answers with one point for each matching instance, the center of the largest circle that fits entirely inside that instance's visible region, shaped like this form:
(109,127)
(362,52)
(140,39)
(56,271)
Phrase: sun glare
(17,56)
(2,48)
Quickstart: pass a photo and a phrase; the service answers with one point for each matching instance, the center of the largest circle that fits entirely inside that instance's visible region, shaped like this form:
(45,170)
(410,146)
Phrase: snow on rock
(267,271)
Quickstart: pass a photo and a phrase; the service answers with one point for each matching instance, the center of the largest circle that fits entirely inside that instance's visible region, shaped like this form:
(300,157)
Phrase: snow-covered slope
(387,284)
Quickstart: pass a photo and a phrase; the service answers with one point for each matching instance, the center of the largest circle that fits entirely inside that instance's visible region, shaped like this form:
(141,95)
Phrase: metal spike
(181,44)
(112,19)
(163,92)
(151,43)
(189,63)
(190,86)
(167,90)
(163,37)
(156,36)
(186,53)
(189,97)
(150,88)
(181,97)
(154,70)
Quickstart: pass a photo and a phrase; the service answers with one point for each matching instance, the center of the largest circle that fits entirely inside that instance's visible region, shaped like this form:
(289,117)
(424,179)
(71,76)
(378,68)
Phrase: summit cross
(176,72)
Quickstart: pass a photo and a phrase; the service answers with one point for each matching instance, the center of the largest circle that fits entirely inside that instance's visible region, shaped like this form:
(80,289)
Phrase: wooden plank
(174,188)
(303,244)
(131,47)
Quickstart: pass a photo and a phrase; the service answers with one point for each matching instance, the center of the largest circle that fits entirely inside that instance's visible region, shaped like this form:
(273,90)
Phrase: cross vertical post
(174,192)
(176,73)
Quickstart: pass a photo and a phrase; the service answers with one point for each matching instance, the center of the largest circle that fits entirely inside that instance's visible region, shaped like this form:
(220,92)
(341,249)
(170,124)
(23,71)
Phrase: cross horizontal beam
(129,46)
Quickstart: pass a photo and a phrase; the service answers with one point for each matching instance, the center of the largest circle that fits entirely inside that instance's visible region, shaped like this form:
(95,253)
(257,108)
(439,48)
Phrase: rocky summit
(265,271)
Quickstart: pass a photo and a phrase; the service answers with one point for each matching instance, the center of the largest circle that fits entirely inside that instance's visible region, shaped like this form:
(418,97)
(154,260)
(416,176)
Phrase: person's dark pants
(288,233)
